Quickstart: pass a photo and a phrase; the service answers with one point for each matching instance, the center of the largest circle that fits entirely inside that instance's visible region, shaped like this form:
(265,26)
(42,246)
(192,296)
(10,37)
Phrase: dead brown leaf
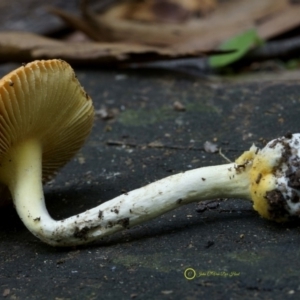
(25,46)
(121,39)
(280,22)
(166,11)
(228,19)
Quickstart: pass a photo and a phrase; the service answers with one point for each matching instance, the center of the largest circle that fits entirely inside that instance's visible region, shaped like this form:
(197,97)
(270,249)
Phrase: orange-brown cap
(43,100)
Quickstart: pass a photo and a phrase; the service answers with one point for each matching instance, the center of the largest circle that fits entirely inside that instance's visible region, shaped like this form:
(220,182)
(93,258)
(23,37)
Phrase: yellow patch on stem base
(262,179)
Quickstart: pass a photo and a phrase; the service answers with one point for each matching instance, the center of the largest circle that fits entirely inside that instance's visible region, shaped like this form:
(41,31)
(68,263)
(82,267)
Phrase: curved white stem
(121,212)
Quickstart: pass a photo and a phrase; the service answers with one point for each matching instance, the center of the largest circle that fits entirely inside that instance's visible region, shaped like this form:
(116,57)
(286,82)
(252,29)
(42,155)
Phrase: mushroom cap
(43,100)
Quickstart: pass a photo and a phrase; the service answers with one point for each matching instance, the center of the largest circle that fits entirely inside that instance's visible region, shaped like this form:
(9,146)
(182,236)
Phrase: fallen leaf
(25,46)
(165,11)
(242,43)
(120,41)
(286,19)
(227,20)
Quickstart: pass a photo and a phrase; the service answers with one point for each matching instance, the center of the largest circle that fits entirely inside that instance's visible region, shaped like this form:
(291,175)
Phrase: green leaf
(241,43)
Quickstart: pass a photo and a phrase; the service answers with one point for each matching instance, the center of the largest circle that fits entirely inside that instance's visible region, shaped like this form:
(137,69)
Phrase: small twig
(159,145)
(151,145)
(121,143)
(196,64)
(276,49)
(226,158)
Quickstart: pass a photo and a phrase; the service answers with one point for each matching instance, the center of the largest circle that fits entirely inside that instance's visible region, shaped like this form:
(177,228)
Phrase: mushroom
(47,92)
(45,117)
